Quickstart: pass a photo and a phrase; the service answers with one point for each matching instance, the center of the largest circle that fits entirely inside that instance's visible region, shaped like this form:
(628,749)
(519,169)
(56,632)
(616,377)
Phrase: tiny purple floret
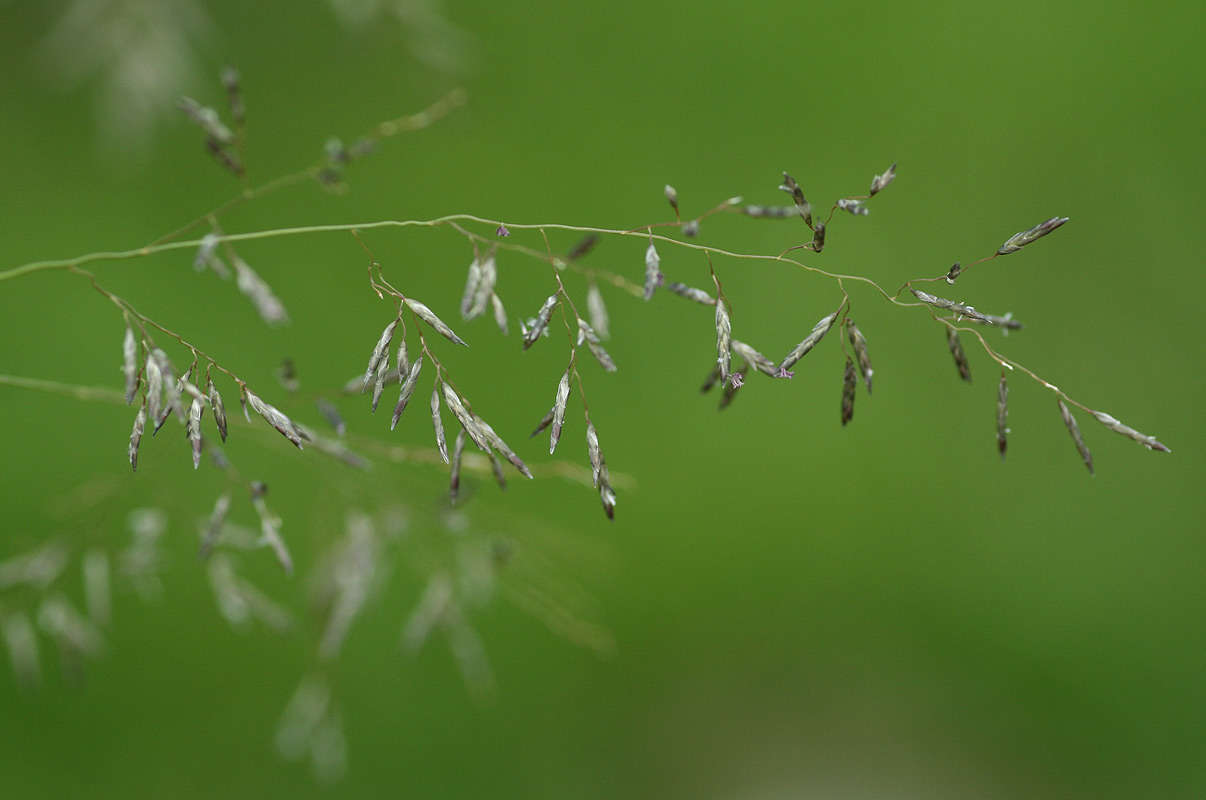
(502,231)
(782,373)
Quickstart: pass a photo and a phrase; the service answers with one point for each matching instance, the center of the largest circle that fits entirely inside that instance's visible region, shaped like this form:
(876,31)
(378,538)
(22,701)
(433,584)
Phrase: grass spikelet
(1022,238)
(724,333)
(1002,414)
(1142,438)
(731,387)
(956,348)
(544,423)
(593,452)
(379,384)
(753,358)
(966,311)
(500,313)
(691,293)
(1074,430)
(608,496)
(154,400)
(597,311)
(498,444)
(854,207)
(270,527)
(427,315)
(408,389)
(437,423)
(213,527)
(536,327)
(270,309)
(587,333)
(711,381)
(671,197)
(653,272)
(879,182)
(473,280)
(858,343)
(454,474)
(584,246)
(377,357)
(468,422)
(496,467)
(559,405)
(849,383)
(193,429)
(218,408)
(803,207)
(129,352)
(140,424)
(806,345)
(331,414)
(274,417)
(818,237)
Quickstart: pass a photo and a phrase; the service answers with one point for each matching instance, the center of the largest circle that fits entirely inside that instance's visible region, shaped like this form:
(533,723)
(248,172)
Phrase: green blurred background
(797,609)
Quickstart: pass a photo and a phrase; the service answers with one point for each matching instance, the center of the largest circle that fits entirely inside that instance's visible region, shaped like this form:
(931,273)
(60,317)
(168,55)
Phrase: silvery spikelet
(500,313)
(193,429)
(454,474)
(274,417)
(818,237)
(496,467)
(270,309)
(653,272)
(671,197)
(140,424)
(724,331)
(545,421)
(1074,430)
(427,315)
(859,344)
(498,444)
(485,287)
(753,358)
(956,348)
(797,195)
(408,389)
(472,281)
(592,450)
(154,386)
(711,381)
(559,405)
(810,341)
(1023,238)
(457,406)
(129,352)
(532,333)
(331,414)
(219,409)
(966,311)
(880,181)
(380,350)
(1002,414)
(270,528)
(213,528)
(1142,438)
(206,252)
(438,423)
(849,383)
(855,207)
(691,293)
(403,362)
(608,496)
(769,212)
(587,333)
(379,383)
(691,228)
(597,311)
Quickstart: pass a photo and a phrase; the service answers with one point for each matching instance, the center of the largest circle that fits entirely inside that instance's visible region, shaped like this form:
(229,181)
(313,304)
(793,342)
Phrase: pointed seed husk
(956,348)
(1074,430)
(849,383)
(559,405)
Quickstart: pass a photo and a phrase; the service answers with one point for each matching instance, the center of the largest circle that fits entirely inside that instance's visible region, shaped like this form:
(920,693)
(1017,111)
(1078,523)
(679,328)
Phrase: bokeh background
(794,609)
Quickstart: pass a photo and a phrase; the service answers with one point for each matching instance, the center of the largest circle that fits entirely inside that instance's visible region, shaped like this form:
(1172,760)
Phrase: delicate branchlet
(691,293)
(140,423)
(753,358)
(858,343)
(1002,414)
(653,272)
(597,311)
(380,351)
(427,315)
(408,389)
(1022,238)
(500,313)
(587,334)
(270,527)
(274,417)
(1142,438)
(855,207)
(454,472)
(1074,430)
(880,181)
(218,408)
(956,348)
(533,330)
(953,273)
(129,366)
(966,311)
(803,208)
(193,429)
(802,349)
(818,237)
(498,444)
(584,246)
(724,332)
(559,405)
(437,423)
(672,198)
(331,414)
(270,309)
(849,384)
(213,526)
